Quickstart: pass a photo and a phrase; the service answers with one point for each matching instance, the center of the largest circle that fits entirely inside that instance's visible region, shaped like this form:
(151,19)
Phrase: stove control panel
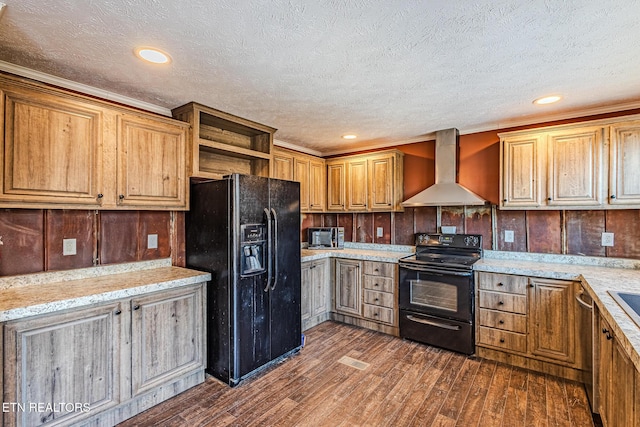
(471,241)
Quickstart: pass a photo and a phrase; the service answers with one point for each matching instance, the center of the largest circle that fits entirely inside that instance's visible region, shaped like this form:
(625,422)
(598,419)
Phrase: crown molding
(82,88)
(294,147)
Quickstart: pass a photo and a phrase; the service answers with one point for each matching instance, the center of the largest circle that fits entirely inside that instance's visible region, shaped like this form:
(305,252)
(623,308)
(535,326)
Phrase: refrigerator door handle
(269,249)
(275,248)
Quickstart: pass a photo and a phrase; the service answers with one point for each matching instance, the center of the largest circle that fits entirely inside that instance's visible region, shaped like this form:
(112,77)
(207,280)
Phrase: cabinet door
(521,174)
(348,294)
(71,358)
(166,336)
(320,287)
(336,186)
(52,150)
(301,166)
(623,388)
(282,166)
(624,173)
(380,183)
(574,167)
(151,165)
(306,286)
(357,189)
(317,186)
(552,317)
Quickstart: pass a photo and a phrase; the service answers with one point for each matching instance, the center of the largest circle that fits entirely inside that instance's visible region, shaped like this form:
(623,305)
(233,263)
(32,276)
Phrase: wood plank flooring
(405,384)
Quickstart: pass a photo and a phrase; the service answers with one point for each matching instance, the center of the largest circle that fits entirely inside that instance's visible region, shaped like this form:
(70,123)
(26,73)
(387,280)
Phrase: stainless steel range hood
(446,191)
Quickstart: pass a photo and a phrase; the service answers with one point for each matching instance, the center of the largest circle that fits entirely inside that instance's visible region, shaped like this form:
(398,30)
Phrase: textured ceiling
(388,71)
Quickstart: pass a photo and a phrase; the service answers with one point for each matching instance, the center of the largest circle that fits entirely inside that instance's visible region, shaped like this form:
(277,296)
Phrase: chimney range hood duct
(446,191)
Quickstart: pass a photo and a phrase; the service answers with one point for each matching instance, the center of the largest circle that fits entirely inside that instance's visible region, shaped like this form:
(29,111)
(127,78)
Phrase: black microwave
(326,237)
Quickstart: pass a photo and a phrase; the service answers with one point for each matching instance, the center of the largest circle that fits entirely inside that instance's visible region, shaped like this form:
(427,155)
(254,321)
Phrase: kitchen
(116,231)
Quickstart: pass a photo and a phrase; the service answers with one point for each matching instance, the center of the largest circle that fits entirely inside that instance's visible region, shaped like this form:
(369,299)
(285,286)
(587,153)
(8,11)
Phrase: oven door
(436,292)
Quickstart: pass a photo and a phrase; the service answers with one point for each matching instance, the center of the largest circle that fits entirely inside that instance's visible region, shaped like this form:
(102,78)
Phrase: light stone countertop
(597,275)
(361,251)
(50,292)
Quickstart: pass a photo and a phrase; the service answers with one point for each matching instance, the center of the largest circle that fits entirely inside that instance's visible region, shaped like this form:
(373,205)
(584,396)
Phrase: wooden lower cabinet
(103,364)
(366,294)
(316,293)
(617,381)
(534,323)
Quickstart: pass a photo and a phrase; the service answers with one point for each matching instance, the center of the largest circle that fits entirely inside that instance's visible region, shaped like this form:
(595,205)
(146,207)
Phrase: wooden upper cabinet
(151,163)
(574,171)
(301,168)
(317,185)
(64,150)
(282,165)
(357,188)
(520,172)
(223,144)
(624,175)
(308,170)
(368,182)
(52,151)
(336,186)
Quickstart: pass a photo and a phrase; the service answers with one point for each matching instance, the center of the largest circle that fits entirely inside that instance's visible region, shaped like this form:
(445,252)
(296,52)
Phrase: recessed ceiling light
(547,100)
(349,136)
(153,55)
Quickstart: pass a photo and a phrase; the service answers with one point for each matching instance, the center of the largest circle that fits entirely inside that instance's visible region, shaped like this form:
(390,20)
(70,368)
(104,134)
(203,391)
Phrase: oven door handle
(433,323)
(437,271)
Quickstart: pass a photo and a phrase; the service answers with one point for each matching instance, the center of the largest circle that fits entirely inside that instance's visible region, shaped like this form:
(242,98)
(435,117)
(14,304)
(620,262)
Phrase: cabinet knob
(504,200)
(121,197)
(375,314)
(376,269)
(100,195)
(613,196)
(136,307)
(500,284)
(500,302)
(531,285)
(501,339)
(605,330)
(609,336)
(376,299)
(118,312)
(501,322)
(549,198)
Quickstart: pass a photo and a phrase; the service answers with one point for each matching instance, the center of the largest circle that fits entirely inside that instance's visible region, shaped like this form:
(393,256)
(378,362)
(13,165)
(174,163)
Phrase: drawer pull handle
(432,323)
(501,322)
(500,284)
(118,312)
(376,299)
(501,339)
(136,307)
(500,302)
(375,314)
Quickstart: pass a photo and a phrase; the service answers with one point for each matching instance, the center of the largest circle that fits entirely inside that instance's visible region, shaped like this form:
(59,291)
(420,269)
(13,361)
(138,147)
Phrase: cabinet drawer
(503,302)
(377,313)
(503,283)
(383,299)
(385,269)
(502,320)
(503,339)
(383,284)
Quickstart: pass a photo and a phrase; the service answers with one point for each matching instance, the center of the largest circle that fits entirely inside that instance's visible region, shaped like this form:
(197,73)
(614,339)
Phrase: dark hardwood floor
(404,384)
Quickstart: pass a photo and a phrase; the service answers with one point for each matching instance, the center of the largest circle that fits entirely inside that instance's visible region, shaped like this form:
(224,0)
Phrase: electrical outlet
(379,232)
(508,236)
(68,247)
(152,241)
(607,239)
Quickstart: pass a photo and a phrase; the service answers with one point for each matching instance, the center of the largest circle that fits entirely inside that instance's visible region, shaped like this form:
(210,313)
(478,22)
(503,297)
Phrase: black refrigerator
(245,231)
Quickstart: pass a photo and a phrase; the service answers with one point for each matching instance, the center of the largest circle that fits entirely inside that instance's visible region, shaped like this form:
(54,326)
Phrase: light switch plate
(508,236)
(152,241)
(68,247)
(379,232)
(607,239)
